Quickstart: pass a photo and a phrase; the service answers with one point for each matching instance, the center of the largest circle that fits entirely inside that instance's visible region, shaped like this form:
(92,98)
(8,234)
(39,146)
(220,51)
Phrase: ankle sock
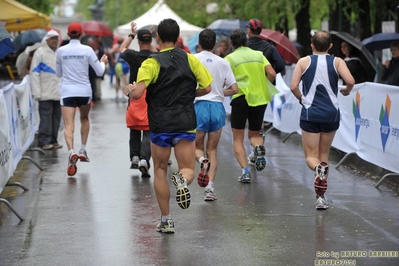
(165,217)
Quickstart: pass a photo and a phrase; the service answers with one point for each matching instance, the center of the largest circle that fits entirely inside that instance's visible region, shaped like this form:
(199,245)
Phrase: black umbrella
(29,37)
(380,41)
(366,58)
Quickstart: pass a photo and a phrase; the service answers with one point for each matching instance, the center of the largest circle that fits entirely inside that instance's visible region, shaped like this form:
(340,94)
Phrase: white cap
(50,34)
(33,47)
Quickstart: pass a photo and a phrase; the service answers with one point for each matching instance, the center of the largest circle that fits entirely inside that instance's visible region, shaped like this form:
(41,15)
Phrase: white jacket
(44,80)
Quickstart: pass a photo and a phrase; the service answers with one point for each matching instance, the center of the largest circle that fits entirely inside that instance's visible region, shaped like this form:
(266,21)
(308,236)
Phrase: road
(107,213)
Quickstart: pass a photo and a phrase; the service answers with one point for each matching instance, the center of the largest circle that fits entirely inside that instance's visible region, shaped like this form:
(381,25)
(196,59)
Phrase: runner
(170,99)
(320,114)
(211,115)
(73,62)
(250,69)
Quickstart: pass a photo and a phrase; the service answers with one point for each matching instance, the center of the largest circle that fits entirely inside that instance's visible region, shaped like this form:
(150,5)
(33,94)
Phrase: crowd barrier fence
(19,121)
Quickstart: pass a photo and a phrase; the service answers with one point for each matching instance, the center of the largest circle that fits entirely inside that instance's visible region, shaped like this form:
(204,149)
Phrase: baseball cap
(51,33)
(75,28)
(255,25)
(144,35)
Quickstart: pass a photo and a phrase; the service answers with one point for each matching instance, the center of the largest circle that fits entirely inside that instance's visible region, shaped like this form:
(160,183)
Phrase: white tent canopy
(153,16)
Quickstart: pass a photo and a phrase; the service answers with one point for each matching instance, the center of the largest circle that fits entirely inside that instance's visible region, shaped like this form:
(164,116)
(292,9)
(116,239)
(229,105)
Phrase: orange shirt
(136,114)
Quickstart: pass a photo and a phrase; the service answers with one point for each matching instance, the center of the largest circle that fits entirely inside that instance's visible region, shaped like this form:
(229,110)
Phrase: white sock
(83,147)
(165,217)
(71,151)
(209,186)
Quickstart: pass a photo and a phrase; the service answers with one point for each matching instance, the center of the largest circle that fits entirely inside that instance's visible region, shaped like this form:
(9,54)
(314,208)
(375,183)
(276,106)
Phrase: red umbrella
(97,28)
(284,46)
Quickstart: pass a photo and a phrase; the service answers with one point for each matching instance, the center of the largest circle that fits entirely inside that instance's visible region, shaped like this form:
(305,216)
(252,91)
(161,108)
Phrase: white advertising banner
(12,109)
(25,114)
(346,138)
(378,125)
(6,158)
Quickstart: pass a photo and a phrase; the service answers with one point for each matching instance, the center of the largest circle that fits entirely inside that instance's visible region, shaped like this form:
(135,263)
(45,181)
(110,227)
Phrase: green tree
(43,6)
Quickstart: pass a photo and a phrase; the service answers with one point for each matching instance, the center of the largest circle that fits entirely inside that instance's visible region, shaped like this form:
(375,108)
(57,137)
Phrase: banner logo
(384,121)
(359,121)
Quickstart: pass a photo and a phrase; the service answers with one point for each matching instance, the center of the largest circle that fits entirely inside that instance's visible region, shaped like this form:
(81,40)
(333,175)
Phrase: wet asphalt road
(107,213)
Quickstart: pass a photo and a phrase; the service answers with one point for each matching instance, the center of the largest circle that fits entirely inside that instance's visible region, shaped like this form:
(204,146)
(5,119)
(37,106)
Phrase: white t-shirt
(221,72)
(73,62)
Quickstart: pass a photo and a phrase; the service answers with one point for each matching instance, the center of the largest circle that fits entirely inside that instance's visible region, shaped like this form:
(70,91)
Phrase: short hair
(394,44)
(74,36)
(207,39)
(168,30)
(321,40)
(238,38)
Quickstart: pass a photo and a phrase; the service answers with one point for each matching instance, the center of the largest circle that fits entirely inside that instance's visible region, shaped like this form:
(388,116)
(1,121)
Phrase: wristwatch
(131,36)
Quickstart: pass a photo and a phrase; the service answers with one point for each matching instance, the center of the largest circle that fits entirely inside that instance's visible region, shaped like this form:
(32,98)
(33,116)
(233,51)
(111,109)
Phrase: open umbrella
(226,26)
(380,41)
(29,37)
(284,46)
(366,58)
(6,46)
(96,28)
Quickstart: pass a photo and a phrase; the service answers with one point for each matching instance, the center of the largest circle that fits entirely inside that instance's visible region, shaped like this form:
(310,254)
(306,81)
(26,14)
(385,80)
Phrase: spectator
(390,72)
(46,89)
(136,113)
(353,62)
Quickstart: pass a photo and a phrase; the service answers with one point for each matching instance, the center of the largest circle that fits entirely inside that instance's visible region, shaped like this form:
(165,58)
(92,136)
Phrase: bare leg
(316,147)
(254,138)
(211,151)
(239,149)
(160,156)
(199,144)
(85,122)
(68,115)
(185,156)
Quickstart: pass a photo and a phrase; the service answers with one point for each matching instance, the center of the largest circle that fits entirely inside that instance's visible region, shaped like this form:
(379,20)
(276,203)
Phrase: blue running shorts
(121,68)
(170,139)
(317,127)
(211,116)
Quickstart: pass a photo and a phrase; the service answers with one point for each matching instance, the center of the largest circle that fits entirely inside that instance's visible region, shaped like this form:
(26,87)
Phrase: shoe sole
(260,151)
(144,172)
(72,168)
(320,185)
(251,162)
(183,196)
(166,231)
(210,198)
(321,207)
(83,158)
(245,180)
(260,163)
(203,178)
(322,170)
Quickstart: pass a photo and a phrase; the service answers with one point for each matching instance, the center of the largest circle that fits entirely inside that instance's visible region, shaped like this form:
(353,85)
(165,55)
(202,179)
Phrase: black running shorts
(241,112)
(75,101)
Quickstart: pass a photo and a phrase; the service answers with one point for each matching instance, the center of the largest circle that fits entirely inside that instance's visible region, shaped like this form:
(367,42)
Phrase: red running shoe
(72,169)
(203,178)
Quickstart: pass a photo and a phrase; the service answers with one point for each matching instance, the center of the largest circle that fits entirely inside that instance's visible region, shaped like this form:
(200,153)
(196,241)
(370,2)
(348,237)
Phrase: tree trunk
(364,21)
(339,19)
(302,19)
